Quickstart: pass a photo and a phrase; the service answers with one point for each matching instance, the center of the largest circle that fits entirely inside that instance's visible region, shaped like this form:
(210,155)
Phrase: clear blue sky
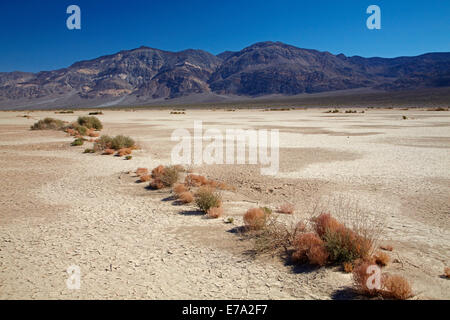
(34,37)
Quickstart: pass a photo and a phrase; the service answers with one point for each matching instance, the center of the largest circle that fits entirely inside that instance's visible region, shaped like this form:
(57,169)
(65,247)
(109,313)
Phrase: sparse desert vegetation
(48,124)
(261,221)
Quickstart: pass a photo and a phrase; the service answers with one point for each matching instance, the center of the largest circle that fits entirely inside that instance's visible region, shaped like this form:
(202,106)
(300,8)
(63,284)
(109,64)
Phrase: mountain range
(148,75)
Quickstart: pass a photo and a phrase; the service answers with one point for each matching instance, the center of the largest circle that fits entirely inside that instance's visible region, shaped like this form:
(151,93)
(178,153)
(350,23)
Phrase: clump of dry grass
(193,180)
(369,281)
(179,188)
(310,248)
(382,259)
(207,198)
(145,178)
(186,197)
(109,152)
(255,219)
(141,172)
(286,208)
(124,152)
(215,212)
(164,177)
(396,287)
(447,272)
(48,124)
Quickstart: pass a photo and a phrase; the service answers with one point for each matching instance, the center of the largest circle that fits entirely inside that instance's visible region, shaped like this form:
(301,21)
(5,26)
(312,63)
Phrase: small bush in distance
(170,176)
(89,151)
(90,122)
(121,142)
(77,142)
(145,178)
(447,272)
(255,219)
(215,212)
(179,188)
(186,197)
(108,152)
(128,157)
(48,124)
(206,198)
(141,171)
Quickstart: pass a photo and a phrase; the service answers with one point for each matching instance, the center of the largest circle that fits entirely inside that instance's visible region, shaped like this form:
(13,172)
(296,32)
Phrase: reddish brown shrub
(109,151)
(156,184)
(193,180)
(286,208)
(309,248)
(145,178)
(361,277)
(255,218)
(348,267)
(215,213)
(141,171)
(179,188)
(325,222)
(186,197)
(158,172)
(124,152)
(381,258)
(396,287)
(447,272)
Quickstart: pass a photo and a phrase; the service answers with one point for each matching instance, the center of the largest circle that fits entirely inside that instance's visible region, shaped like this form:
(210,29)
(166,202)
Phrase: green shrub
(128,157)
(170,176)
(77,142)
(89,151)
(103,143)
(120,142)
(206,198)
(48,124)
(90,122)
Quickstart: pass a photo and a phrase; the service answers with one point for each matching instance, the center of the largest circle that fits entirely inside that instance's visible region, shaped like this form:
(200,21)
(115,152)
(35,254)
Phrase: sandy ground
(60,207)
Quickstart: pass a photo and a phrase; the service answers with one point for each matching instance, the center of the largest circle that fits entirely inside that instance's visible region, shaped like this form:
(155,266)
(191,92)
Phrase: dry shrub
(158,172)
(124,152)
(179,168)
(109,152)
(286,208)
(179,188)
(48,124)
(309,248)
(381,258)
(169,176)
(141,171)
(207,198)
(361,277)
(395,287)
(90,122)
(193,180)
(391,286)
(156,184)
(387,247)
(326,223)
(186,197)
(215,212)
(145,178)
(348,267)
(255,219)
(71,132)
(447,272)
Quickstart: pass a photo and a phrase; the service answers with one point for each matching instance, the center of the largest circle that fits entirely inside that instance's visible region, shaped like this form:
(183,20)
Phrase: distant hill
(148,75)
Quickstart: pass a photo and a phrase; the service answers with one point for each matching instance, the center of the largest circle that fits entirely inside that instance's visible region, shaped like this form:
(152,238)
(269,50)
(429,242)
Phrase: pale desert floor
(60,207)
